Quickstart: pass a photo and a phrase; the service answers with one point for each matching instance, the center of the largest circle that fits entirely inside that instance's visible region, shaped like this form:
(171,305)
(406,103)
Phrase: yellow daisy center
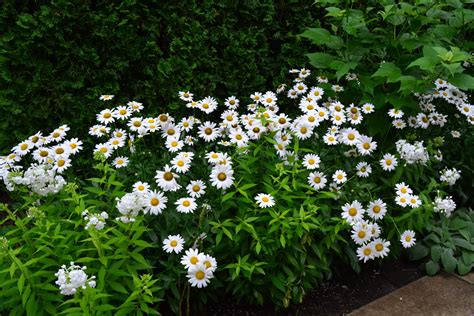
(200,275)
(352,211)
(154,201)
(168,176)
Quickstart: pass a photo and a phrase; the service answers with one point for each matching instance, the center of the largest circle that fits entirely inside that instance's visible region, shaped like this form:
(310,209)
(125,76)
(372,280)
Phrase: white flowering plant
(256,198)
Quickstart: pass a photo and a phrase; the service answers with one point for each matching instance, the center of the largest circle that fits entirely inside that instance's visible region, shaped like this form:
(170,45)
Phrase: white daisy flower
(408,238)
(381,247)
(74,145)
(104,149)
(135,106)
(196,188)
(368,108)
(366,252)
(186,205)
(120,162)
(208,131)
(317,180)
(106,116)
(361,233)
(61,163)
(185,96)
(122,112)
(339,176)
(330,139)
(363,169)
(232,103)
(311,161)
(143,187)
(352,212)
(192,257)
(365,145)
(222,176)
(402,200)
(173,243)
(377,209)
(414,201)
(389,162)
(155,202)
(181,163)
(395,113)
(210,263)
(199,276)
(167,179)
(174,144)
(106,97)
(265,200)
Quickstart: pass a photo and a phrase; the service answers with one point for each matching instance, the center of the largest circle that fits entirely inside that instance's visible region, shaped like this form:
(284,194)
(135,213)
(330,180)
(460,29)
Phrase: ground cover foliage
(256,193)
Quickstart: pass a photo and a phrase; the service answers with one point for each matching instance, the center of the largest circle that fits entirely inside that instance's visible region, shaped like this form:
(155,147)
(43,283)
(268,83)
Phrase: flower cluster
(405,196)
(72,278)
(200,267)
(51,155)
(412,153)
(445,205)
(95,220)
(450,176)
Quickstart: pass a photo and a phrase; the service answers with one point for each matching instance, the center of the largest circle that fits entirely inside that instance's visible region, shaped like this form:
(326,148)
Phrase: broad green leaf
(432,268)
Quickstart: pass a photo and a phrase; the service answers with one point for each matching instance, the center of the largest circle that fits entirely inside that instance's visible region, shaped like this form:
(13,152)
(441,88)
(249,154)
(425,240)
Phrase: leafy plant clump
(241,196)
(396,48)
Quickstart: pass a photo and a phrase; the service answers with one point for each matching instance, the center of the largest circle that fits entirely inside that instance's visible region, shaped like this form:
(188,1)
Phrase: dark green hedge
(57,57)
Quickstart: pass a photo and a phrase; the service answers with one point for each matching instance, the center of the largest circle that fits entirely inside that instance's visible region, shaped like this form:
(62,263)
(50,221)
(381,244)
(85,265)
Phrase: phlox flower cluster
(445,205)
(73,278)
(95,220)
(412,153)
(41,179)
(450,176)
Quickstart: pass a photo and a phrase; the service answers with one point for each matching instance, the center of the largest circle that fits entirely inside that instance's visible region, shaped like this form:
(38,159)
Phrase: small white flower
(265,200)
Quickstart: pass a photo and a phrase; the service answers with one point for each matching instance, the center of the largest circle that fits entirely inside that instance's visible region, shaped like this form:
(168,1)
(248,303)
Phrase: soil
(339,296)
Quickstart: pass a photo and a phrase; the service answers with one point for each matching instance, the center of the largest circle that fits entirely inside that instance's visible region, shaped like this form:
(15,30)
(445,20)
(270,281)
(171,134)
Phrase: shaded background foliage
(57,57)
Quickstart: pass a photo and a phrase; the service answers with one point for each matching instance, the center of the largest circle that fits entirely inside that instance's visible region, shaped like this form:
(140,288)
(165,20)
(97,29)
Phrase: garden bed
(344,293)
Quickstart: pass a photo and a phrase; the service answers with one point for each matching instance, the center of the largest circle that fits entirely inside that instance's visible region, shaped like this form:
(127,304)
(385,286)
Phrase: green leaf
(432,267)
(463,81)
(464,269)
(320,36)
(436,253)
(425,63)
(448,260)
(389,70)
(320,60)
(21,283)
(344,69)
(418,251)
(228,196)
(463,243)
